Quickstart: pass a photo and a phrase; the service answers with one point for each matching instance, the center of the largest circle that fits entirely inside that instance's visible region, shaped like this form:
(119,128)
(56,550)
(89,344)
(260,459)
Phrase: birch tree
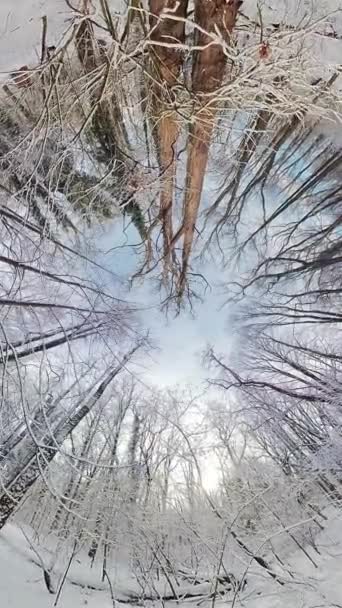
(34,453)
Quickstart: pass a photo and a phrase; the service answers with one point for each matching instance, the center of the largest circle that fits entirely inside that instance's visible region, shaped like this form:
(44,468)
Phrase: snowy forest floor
(22,584)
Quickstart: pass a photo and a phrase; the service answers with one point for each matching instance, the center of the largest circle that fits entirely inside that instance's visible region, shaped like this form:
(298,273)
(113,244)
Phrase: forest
(171,303)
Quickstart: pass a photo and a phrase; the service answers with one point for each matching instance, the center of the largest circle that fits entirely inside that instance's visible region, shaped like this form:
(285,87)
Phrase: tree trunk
(36,458)
(167,62)
(110,478)
(207,75)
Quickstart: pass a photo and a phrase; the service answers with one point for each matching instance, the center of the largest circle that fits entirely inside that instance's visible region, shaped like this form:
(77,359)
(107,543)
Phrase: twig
(46,573)
(14,98)
(44,35)
(110,587)
(66,573)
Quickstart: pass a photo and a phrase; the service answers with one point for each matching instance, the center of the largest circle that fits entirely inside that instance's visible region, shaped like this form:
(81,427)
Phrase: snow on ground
(21,25)
(21,28)
(22,585)
(311,587)
(21,580)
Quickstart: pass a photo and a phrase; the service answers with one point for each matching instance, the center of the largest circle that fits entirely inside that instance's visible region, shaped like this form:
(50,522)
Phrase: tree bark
(207,75)
(167,62)
(36,459)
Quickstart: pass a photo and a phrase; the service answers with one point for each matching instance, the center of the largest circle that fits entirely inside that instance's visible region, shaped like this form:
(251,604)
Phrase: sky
(179,340)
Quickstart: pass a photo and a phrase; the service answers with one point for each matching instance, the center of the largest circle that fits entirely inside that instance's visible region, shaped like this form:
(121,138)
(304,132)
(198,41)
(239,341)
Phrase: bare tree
(35,453)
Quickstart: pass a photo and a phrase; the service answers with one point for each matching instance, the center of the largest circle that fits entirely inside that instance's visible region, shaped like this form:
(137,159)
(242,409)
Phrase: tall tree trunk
(57,524)
(43,413)
(110,478)
(132,459)
(37,458)
(73,489)
(167,62)
(207,76)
